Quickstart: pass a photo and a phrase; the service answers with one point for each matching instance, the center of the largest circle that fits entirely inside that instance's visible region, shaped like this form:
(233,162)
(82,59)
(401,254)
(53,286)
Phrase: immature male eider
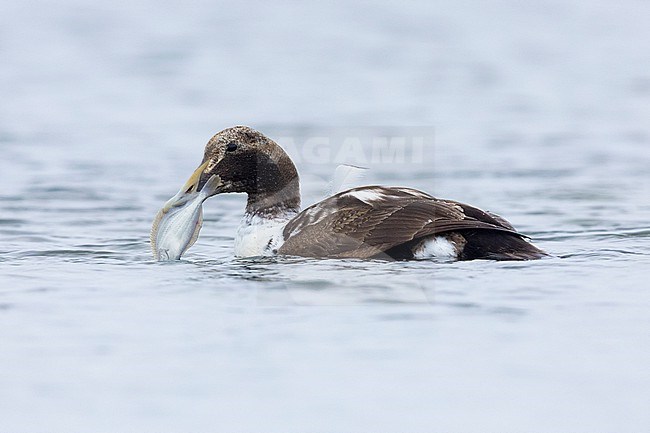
(365,222)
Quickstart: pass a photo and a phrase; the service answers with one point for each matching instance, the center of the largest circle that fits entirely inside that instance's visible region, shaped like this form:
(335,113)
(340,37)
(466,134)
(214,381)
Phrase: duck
(366,222)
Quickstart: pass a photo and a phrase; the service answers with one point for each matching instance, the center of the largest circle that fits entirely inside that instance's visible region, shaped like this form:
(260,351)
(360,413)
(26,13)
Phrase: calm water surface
(537,112)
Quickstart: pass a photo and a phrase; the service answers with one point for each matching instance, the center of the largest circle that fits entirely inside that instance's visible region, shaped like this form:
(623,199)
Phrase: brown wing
(364,222)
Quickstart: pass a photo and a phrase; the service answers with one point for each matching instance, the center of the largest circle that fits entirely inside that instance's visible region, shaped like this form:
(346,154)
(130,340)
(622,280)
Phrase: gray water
(537,111)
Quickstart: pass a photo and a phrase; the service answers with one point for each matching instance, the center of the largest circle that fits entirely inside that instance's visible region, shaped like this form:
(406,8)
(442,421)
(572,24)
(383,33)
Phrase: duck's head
(240,159)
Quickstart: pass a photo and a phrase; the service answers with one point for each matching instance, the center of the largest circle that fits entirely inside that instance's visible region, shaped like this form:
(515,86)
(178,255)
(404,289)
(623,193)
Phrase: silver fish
(177,225)
(175,229)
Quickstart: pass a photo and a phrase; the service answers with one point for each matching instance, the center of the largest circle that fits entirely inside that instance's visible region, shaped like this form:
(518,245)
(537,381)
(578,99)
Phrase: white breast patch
(257,236)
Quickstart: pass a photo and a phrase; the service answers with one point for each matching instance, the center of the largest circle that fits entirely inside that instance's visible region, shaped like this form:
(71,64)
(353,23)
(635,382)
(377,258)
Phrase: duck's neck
(261,231)
(273,200)
(281,204)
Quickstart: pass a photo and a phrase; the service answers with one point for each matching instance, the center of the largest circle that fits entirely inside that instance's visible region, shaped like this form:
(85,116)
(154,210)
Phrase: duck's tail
(497,245)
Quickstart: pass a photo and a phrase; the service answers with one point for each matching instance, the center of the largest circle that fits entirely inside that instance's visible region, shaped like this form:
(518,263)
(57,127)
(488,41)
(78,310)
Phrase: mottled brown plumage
(346,226)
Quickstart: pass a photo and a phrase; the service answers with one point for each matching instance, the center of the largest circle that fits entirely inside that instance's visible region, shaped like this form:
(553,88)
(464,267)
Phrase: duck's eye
(231,147)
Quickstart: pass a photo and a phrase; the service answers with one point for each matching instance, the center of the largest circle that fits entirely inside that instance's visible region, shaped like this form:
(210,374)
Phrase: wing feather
(364,222)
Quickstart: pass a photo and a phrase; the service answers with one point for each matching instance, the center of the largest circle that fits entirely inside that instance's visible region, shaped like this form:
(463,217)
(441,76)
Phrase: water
(538,112)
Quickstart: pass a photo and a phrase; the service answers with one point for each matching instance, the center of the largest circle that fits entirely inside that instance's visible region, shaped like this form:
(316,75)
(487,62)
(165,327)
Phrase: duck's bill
(186,192)
(177,225)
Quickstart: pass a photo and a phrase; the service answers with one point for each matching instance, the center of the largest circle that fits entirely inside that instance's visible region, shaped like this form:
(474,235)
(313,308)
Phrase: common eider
(366,222)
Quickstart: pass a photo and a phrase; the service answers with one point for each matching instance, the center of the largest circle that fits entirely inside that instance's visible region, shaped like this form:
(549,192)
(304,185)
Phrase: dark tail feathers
(496,245)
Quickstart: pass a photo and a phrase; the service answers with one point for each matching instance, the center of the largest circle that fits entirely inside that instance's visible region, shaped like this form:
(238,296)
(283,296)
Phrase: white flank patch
(366,195)
(436,248)
(257,236)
